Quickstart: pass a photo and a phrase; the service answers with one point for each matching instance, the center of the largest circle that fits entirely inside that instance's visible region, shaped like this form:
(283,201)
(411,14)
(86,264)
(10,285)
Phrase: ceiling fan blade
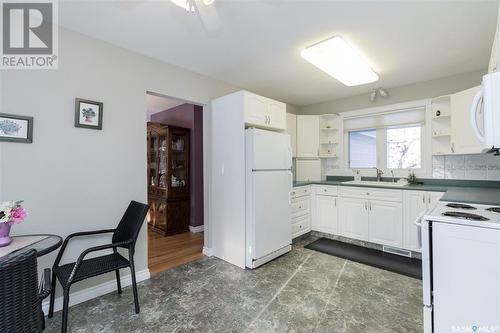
(208,15)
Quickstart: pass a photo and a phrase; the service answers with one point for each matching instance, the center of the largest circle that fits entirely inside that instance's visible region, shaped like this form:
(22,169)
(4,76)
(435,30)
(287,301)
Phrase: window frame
(381,150)
(422,162)
(348,145)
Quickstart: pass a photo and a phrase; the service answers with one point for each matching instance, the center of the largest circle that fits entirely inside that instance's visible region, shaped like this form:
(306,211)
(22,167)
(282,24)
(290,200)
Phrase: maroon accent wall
(189,116)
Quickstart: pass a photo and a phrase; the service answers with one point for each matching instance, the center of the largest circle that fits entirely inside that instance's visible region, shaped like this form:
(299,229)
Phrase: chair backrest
(131,222)
(19,298)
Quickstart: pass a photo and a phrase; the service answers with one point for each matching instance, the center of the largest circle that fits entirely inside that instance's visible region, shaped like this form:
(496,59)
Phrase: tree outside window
(404,149)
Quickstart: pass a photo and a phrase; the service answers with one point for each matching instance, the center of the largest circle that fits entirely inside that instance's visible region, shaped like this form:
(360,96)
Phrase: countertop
(464,194)
(418,187)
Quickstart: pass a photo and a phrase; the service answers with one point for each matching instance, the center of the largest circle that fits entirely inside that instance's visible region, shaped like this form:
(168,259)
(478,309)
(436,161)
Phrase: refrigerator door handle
(290,156)
(291,187)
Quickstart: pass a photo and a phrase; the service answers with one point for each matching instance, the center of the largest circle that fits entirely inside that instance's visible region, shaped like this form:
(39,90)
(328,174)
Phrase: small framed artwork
(88,114)
(14,128)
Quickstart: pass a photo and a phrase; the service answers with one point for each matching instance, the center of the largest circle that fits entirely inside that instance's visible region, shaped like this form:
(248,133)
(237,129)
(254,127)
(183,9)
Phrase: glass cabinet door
(152,158)
(157,159)
(162,161)
(179,159)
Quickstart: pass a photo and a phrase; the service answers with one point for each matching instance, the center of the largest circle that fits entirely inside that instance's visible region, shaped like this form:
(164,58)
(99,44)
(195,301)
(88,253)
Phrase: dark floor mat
(411,267)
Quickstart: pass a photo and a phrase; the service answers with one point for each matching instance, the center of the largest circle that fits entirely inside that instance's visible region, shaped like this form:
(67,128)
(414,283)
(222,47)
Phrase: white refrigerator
(268,188)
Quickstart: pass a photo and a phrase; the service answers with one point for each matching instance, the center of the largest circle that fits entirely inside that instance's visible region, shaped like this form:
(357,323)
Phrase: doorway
(175,182)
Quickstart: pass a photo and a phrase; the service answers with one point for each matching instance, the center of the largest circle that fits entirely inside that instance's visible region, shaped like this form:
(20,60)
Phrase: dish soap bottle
(357,175)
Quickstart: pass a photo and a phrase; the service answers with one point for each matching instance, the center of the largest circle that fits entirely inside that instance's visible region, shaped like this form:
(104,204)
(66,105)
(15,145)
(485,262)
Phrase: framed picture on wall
(14,128)
(88,114)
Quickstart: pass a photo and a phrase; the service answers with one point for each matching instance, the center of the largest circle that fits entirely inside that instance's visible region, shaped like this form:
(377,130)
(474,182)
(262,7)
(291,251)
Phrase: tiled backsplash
(480,166)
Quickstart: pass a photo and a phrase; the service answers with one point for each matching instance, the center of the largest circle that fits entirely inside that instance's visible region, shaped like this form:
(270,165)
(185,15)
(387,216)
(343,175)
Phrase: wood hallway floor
(171,251)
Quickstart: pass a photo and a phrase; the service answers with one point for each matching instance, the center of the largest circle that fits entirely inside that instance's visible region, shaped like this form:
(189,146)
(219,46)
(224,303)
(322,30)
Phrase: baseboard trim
(196,229)
(208,251)
(93,292)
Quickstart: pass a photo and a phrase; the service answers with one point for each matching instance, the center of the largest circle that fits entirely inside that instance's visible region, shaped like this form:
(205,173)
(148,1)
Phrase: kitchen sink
(374,183)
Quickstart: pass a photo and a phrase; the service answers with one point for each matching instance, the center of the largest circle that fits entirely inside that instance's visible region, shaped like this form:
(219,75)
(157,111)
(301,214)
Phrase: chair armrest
(78,234)
(44,288)
(93,249)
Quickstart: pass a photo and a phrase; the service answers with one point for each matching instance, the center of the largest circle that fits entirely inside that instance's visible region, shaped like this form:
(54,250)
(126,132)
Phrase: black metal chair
(124,236)
(20,299)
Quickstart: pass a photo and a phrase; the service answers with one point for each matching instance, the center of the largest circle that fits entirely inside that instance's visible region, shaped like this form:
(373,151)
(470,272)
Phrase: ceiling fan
(206,10)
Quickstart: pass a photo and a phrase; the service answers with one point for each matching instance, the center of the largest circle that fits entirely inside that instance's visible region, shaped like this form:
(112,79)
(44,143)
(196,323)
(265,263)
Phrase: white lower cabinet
(433,198)
(353,217)
(415,204)
(385,223)
(301,211)
(380,216)
(326,218)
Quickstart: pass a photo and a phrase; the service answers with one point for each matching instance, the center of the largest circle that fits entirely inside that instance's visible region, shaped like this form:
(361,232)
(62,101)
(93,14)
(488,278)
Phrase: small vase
(4,234)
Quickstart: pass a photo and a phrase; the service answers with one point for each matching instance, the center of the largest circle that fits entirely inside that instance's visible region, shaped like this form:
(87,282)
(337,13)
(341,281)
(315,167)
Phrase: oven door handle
(426,263)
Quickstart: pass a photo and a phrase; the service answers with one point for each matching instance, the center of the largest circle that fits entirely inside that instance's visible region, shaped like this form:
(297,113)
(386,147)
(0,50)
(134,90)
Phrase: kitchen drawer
(371,193)
(301,191)
(300,206)
(327,190)
(300,226)
(386,195)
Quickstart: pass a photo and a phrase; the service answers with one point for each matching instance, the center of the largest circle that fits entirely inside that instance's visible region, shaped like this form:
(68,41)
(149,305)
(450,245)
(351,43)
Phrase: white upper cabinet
(277,114)
(264,112)
(307,136)
(463,138)
(291,129)
(255,109)
(494,65)
(386,223)
(308,170)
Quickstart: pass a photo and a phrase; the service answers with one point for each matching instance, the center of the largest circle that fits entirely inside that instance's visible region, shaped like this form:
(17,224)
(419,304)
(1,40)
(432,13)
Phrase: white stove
(461,268)
(484,216)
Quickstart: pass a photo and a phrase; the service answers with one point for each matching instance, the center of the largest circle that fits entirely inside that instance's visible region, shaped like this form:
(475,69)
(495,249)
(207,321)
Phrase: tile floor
(302,291)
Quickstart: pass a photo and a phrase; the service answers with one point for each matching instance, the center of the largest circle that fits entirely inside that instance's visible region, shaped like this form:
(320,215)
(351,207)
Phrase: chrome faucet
(393,179)
(379,174)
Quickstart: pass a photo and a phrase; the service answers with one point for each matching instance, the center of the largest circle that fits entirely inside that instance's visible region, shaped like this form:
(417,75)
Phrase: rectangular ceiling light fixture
(338,59)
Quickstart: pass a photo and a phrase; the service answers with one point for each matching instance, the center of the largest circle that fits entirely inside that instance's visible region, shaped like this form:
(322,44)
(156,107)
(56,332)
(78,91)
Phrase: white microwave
(488,98)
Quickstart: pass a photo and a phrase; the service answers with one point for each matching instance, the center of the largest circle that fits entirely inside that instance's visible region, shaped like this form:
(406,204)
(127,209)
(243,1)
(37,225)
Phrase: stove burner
(460,206)
(466,216)
(494,209)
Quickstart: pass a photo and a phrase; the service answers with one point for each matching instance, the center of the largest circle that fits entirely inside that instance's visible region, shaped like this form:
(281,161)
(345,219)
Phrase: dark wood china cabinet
(168,178)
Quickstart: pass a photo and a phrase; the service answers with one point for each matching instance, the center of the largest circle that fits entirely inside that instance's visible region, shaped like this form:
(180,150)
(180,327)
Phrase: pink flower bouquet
(11,212)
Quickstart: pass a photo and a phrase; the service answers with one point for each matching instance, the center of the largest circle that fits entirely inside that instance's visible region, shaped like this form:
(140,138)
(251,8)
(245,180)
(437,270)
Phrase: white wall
(290,108)
(412,92)
(75,179)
